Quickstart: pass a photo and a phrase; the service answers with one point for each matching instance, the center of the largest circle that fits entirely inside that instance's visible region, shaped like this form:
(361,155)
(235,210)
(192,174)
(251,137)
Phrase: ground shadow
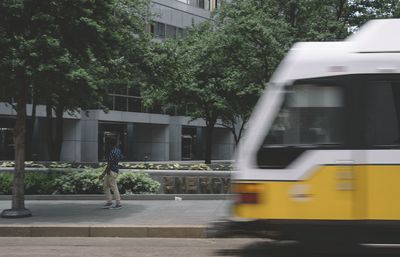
(45,212)
(268,249)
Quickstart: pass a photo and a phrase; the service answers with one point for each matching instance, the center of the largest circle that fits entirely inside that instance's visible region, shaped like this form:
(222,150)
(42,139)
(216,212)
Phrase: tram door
(377,173)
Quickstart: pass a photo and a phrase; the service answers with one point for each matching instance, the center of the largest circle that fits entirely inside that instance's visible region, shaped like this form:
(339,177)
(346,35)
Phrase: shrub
(199,166)
(7,164)
(136,183)
(80,182)
(40,182)
(6,183)
(35,183)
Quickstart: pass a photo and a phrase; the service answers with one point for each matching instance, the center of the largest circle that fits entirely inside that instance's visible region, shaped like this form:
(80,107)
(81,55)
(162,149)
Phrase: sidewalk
(140,218)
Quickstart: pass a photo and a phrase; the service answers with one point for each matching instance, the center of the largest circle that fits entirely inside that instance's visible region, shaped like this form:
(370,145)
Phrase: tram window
(310,115)
(382,113)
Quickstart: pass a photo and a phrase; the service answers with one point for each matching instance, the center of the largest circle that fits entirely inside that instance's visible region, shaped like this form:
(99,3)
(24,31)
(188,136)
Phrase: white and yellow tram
(321,155)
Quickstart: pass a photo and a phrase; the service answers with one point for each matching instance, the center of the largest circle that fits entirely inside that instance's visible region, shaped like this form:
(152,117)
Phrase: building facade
(145,134)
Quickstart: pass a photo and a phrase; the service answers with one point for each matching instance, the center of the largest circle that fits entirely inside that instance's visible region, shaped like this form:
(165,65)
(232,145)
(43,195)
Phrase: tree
(16,69)
(254,38)
(219,69)
(99,57)
(64,51)
(331,20)
(222,66)
(183,74)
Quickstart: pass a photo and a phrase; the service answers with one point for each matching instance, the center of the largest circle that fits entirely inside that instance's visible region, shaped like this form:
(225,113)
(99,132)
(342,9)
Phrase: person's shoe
(107,206)
(116,207)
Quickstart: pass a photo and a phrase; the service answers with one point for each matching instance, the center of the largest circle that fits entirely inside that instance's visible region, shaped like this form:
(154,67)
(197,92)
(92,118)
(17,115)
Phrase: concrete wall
(135,117)
(223,144)
(71,146)
(175,139)
(89,126)
(154,137)
(39,141)
(151,142)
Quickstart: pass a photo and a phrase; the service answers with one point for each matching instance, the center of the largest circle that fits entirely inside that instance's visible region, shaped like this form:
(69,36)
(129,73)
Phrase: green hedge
(41,183)
(86,182)
(137,183)
(5,183)
(78,182)
(125,165)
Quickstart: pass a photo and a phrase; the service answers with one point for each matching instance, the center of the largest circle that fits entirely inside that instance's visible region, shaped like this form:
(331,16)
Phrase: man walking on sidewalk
(110,175)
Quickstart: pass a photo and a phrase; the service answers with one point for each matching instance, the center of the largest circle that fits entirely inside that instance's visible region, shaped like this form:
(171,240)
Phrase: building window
(152,28)
(135,104)
(120,103)
(203,4)
(6,139)
(180,32)
(127,99)
(163,31)
(171,31)
(160,30)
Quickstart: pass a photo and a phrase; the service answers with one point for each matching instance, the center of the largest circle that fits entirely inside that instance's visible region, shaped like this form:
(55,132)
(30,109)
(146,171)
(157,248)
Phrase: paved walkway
(168,214)
(152,212)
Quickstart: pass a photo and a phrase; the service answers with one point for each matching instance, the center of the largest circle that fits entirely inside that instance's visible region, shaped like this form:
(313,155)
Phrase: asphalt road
(156,247)
(121,247)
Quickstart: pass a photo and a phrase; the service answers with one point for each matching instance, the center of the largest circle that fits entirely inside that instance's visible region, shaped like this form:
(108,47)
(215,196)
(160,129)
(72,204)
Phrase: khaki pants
(110,184)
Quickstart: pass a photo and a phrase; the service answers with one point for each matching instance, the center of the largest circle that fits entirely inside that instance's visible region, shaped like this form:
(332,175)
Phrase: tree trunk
(29,132)
(59,132)
(49,130)
(237,135)
(18,198)
(208,153)
(293,10)
(241,131)
(211,119)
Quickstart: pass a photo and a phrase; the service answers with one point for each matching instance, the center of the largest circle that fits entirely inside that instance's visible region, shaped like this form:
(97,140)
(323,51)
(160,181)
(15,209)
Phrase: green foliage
(73,166)
(137,183)
(7,164)
(146,165)
(35,183)
(69,55)
(78,182)
(31,164)
(223,65)
(5,183)
(200,166)
(59,165)
(42,183)
(86,182)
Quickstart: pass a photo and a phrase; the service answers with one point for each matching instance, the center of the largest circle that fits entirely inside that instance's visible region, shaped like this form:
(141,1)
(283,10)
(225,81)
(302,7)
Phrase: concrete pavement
(137,218)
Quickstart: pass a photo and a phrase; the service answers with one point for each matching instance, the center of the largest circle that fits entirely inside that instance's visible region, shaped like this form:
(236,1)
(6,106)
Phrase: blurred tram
(320,160)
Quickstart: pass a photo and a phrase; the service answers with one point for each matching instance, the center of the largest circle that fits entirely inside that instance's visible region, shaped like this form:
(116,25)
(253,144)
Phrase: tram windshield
(310,115)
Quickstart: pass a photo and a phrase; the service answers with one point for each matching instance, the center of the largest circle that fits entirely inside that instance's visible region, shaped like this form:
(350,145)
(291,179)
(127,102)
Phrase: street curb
(192,231)
(126,197)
